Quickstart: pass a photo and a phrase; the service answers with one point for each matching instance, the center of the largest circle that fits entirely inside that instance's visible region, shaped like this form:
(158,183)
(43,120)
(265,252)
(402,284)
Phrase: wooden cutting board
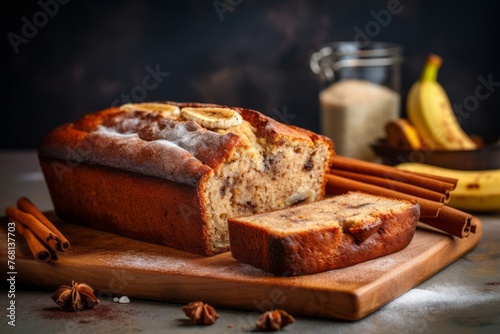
(115,265)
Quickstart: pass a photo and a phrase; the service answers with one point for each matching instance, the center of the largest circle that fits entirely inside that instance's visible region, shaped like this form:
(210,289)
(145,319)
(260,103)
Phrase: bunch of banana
(431,122)
(430,111)
(432,125)
(475,191)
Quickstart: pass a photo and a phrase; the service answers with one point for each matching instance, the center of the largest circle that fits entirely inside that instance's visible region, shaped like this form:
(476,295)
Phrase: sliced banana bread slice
(337,232)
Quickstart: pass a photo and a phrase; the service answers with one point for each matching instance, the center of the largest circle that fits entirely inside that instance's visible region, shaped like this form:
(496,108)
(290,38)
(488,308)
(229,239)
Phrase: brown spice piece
(274,320)
(27,206)
(31,222)
(75,297)
(36,246)
(200,313)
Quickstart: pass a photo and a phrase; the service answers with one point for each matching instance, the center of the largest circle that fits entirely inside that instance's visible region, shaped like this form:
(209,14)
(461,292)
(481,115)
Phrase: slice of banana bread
(333,233)
(173,173)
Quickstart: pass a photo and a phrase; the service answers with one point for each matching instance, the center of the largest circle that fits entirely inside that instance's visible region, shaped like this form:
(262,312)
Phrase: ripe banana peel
(475,191)
(429,110)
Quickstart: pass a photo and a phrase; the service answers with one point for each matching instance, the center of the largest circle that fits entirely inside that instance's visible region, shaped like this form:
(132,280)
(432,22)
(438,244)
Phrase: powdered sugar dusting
(198,141)
(190,264)
(159,158)
(149,261)
(189,136)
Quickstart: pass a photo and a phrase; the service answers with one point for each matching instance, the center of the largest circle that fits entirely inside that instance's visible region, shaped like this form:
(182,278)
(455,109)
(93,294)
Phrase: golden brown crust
(271,129)
(91,121)
(140,207)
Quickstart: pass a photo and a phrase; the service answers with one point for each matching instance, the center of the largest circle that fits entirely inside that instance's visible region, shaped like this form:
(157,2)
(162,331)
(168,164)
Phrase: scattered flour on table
(463,299)
(194,266)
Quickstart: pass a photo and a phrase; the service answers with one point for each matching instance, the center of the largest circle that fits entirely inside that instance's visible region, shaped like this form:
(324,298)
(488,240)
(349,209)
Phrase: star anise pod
(200,313)
(274,320)
(75,297)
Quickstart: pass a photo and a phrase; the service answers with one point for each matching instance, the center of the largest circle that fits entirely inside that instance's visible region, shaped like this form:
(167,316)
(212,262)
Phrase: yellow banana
(429,110)
(475,191)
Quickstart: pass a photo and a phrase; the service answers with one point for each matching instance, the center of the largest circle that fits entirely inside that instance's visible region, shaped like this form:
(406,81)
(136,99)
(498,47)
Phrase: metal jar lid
(332,57)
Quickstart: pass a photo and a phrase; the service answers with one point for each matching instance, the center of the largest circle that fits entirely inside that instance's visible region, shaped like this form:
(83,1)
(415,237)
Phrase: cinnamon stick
(27,206)
(29,221)
(437,177)
(452,221)
(37,248)
(370,168)
(395,185)
(337,185)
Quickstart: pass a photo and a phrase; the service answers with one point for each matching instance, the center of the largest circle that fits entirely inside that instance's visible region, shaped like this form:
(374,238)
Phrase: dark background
(255,55)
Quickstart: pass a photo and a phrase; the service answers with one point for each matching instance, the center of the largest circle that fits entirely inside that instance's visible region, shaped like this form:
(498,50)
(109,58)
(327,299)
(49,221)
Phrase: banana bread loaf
(173,173)
(333,233)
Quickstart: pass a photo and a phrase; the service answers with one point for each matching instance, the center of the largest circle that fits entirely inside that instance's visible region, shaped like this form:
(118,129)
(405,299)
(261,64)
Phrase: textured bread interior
(262,175)
(353,210)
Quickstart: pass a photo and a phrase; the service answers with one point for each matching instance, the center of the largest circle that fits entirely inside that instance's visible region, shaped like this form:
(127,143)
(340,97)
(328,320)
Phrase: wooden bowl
(487,157)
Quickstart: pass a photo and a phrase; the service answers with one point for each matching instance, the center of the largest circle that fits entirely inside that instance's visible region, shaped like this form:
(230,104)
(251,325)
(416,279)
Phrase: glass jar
(359,93)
